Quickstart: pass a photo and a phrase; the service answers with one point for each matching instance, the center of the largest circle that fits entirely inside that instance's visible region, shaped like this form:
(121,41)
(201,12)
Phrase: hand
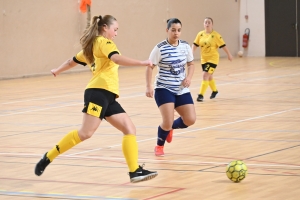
(53,72)
(229,57)
(147,63)
(186,83)
(149,92)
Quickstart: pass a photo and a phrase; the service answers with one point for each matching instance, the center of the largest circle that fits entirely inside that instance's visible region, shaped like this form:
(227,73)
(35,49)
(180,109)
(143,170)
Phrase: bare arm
(68,64)
(190,72)
(149,89)
(125,61)
(194,47)
(191,69)
(229,56)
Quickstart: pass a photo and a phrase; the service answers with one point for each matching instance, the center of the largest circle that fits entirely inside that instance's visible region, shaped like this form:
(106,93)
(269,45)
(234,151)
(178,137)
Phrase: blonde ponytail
(89,36)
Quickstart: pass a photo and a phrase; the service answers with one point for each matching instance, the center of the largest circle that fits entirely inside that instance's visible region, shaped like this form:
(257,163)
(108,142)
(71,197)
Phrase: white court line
(258,79)
(199,129)
(242,73)
(37,99)
(143,94)
(152,160)
(15,113)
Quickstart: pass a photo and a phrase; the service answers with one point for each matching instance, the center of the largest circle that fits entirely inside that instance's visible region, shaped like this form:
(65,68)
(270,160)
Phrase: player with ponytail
(103,58)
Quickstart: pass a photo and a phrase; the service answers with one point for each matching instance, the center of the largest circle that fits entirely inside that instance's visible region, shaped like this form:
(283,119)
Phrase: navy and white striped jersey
(171,61)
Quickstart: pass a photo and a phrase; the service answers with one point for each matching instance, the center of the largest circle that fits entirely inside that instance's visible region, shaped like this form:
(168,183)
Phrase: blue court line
(261,140)
(64,196)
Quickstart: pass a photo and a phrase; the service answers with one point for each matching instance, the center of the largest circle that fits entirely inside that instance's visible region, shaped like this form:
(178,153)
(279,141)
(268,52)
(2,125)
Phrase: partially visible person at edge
(101,54)
(209,41)
(171,83)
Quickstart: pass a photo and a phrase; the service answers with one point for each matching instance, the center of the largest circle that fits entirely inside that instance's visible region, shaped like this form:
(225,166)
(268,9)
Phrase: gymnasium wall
(255,9)
(38,35)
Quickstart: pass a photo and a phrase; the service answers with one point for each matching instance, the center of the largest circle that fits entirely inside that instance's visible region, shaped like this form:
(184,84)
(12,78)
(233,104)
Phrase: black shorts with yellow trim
(209,67)
(101,103)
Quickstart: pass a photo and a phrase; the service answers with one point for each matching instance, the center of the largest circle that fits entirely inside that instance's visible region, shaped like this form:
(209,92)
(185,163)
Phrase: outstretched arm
(68,64)
(125,61)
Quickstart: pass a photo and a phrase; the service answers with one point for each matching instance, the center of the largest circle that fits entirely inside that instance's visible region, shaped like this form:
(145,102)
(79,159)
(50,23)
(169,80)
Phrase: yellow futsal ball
(236,171)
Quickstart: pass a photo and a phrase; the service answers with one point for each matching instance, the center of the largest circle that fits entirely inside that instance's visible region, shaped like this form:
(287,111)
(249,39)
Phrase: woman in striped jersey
(171,56)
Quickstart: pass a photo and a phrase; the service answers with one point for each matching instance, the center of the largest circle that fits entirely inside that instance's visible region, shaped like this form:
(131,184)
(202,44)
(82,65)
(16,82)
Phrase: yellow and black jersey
(209,44)
(105,71)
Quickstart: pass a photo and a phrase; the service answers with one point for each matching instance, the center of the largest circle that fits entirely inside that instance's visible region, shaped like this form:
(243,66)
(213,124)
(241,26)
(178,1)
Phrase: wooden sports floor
(255,118)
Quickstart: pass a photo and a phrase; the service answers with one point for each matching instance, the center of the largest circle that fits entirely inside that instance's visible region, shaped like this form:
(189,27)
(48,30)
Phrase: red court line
(173,191)
(63,157)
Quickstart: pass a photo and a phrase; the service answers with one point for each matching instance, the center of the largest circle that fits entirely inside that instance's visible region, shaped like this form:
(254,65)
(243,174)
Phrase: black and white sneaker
(200,97)
(141,175)
(213,94)
(41,165)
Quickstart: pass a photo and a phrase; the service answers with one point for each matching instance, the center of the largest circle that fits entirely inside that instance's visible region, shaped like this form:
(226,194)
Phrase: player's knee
(130,129)
(84,135)
(167,125)
(206,76)
(189,120)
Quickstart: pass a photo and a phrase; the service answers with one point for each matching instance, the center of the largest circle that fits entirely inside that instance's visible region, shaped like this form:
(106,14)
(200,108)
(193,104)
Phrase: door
(282,35)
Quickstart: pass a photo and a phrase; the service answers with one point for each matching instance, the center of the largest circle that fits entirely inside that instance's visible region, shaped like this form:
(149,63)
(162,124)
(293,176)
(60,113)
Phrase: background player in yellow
(209,41)
(101,54)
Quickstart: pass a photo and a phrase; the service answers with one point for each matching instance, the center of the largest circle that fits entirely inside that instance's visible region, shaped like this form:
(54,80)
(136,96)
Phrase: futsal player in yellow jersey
(103,57)
(209,41)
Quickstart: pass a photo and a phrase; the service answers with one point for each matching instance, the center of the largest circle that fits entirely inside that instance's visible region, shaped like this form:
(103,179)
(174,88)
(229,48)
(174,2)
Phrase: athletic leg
(88,127)
(122,122)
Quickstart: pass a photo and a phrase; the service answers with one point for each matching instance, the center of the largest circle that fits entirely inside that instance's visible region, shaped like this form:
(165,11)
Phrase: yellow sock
(130,151)
(203,87)
(212,85)
(66,143)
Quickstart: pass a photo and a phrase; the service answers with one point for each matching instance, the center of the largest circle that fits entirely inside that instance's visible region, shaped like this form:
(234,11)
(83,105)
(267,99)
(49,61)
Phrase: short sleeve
(197,40)
(220,42)
(190,56)
(108,48)
(80,59)
(155,56)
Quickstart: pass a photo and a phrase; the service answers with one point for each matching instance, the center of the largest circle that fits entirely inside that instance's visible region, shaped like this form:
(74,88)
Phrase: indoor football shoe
(159,150)
(200,97)
(170,136)
(213,94)
(141,175)
(41,165)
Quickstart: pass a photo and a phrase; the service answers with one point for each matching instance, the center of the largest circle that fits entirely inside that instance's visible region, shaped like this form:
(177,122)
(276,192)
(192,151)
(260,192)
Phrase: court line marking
(132,96)
(41,109)
(228,83)
(199,129)
(38,99)
(261,140)
(57,195)
(154,160)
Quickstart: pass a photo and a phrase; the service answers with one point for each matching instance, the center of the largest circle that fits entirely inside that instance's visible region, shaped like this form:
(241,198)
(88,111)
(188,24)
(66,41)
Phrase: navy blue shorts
(163,96)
